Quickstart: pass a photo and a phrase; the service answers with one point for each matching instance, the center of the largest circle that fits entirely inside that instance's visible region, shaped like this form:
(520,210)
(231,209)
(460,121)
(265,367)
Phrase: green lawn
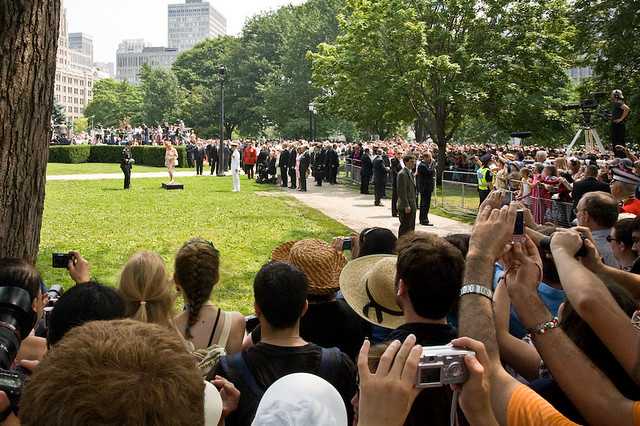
(54,169)
(107,225)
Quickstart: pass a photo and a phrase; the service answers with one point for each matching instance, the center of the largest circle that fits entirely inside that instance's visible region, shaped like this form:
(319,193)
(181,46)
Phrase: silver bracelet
(476,289)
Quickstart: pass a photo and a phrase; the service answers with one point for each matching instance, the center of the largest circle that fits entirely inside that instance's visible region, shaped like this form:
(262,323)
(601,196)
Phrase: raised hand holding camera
(79,268)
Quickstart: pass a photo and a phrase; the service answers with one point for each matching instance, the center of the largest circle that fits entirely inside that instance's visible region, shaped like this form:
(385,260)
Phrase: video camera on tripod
(588,108)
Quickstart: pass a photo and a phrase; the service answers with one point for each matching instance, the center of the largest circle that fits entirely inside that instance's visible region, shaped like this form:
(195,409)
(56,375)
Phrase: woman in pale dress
(170,159)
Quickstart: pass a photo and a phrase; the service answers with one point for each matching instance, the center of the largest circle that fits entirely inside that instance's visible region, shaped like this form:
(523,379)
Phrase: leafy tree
(115,102)
(80,125)
(161,95)
(57,116)
(441,61)
(608,41)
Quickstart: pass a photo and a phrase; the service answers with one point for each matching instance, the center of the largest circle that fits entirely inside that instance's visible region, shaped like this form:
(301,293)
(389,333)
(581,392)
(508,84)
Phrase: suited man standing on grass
(407,198)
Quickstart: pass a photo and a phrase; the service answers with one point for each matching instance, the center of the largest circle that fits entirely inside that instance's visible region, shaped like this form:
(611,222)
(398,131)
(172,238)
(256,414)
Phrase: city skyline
(108,23)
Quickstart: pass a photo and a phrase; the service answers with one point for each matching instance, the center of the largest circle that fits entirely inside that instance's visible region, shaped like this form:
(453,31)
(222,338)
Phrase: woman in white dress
(170,159)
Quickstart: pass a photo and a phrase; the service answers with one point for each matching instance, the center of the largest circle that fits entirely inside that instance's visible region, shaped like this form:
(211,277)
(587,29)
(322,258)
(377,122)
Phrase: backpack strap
(237,368)
(329,359)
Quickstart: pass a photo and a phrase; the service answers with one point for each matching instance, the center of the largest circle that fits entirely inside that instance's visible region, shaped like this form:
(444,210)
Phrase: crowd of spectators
(337,336)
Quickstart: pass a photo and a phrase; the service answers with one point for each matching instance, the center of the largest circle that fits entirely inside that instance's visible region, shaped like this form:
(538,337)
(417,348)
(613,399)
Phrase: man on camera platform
(619,113)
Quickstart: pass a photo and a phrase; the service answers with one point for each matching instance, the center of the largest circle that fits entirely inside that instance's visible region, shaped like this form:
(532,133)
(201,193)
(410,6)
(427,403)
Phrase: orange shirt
(631,206)
(527,408)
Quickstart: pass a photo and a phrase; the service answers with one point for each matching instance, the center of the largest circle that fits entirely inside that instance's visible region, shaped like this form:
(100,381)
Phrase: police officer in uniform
(485,178)
(126,164)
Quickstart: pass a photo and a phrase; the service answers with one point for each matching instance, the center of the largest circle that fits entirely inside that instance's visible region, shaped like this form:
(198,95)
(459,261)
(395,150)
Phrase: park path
(339,202)
(358,212)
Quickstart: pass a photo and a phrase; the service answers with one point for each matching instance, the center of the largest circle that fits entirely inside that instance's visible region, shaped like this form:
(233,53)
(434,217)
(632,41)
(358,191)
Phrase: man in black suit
(305,162)
(333,163)
(212,156)
(366,171)
(319,164)
(424,182)
(283,164)
(589,183)
(293,154)
(407,196)
(126,164)
(199,154)
(396,167)
(379,177)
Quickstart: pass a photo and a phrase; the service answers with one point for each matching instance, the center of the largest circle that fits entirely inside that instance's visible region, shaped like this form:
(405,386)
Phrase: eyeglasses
(610,238)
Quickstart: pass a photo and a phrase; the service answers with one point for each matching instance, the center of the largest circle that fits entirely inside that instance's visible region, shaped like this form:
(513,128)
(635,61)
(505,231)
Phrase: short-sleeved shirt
(527,408)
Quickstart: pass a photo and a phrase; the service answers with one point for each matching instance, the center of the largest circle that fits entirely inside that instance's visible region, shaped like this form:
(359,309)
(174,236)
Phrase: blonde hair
(146,289)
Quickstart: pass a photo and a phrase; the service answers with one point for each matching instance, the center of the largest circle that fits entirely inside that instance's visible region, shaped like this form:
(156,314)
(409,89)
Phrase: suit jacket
(199,153)
(406,190)
(283,161)
(396,167)
(333,160)
(305,162)
(367,166)
(293,155)
(424,177)
(212,152)
(588,184)
(379,170)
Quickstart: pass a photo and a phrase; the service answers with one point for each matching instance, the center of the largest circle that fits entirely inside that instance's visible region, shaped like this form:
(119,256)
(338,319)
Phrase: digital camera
(442,365)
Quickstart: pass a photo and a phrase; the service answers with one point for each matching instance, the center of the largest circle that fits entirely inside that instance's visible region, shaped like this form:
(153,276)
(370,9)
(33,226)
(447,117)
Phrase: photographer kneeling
(21,306)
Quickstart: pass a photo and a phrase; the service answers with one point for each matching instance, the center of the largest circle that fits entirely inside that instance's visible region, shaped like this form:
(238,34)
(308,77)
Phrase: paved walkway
(339,202)
(357,211)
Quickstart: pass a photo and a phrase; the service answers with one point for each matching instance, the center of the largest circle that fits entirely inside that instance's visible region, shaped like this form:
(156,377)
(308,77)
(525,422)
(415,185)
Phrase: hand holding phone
(518,229)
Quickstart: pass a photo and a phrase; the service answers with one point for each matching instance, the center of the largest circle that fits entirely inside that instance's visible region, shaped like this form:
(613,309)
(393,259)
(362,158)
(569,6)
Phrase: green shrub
(105,154)
(71,154)
(144,155)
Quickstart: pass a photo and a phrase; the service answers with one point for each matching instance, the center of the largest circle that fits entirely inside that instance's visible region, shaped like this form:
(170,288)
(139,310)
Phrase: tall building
(74,71)
(580,73)
(133,54)
(192,22)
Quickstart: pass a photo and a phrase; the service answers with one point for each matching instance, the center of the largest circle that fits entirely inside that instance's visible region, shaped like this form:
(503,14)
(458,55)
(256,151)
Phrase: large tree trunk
(28,46)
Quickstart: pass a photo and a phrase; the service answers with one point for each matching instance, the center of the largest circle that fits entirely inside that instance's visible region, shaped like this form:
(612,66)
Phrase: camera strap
(378,307)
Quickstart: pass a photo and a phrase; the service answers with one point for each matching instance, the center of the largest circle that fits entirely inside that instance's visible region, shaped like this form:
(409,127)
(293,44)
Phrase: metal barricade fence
(460,196)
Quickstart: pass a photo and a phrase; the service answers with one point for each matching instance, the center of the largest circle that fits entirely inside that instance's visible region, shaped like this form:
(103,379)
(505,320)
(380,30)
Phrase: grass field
(56,169)
(107,225)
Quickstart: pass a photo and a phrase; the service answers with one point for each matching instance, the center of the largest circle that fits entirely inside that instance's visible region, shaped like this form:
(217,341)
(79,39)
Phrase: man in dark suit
(212,156)
(407,196)
(590,183)
(396,167)
(283,164)
(424,182)
(199,154)
(366,171)
(293,154)
(126,164)
(305,162)
(379,177)
(319,164)
(333,163)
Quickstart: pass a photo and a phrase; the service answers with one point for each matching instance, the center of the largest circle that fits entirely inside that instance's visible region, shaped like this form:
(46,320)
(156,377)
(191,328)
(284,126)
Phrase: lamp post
(221,159)
(312,111)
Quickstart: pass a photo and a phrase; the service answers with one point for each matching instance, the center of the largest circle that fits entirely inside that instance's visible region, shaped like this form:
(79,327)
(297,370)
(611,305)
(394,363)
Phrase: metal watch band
(476,289)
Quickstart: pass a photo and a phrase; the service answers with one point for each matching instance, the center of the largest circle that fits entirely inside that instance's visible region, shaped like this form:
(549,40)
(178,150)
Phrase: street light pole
(312,112)
(221,159)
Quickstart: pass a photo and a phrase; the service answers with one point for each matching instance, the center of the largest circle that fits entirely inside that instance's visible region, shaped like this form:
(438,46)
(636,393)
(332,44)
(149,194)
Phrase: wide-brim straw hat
(368,285)
(320,262)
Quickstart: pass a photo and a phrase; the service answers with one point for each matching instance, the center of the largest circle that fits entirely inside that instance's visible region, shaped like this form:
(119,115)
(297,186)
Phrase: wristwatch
(476,289)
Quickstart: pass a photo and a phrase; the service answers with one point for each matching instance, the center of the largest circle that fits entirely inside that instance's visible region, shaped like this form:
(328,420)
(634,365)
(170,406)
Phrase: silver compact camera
(442,365)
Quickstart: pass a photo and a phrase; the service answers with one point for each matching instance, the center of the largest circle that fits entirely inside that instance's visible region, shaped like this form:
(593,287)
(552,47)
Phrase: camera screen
(9,382)
(430,375)
(519,226)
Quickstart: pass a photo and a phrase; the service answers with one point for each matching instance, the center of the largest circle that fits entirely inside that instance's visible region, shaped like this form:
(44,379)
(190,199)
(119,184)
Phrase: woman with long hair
(146,289)
(202,323)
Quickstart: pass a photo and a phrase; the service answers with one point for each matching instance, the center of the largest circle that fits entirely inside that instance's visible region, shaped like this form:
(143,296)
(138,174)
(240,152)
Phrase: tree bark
(28,47)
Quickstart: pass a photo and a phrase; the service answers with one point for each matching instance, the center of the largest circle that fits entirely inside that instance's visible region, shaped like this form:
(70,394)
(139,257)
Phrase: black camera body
(545,244)
(60,260)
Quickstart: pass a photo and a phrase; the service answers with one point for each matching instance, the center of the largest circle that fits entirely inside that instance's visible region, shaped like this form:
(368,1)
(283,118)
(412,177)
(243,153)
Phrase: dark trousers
(425,205)
(199,166)
(212,163)
(617,134)
(292,175)
(127,176)
(394,196)
(284,176)
(319,175)
(189,159)
(379,190)
(364,184)
(249,170)
(407,222)
(333,175)
(303,181)
(483,193)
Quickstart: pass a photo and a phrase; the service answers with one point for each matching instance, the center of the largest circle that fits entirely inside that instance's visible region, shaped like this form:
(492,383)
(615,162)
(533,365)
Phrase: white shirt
(235,160)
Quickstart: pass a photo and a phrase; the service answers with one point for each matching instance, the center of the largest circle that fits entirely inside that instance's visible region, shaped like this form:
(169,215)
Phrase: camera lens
(455,369)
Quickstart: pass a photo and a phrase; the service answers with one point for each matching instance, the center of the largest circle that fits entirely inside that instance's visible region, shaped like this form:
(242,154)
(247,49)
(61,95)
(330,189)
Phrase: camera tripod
(591,140)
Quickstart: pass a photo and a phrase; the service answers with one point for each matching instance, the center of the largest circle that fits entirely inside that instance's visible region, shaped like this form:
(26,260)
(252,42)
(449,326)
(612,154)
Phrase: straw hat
(368,286)
(320,262)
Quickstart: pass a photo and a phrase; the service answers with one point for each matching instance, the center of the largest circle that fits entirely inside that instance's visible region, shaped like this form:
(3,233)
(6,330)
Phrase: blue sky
(110,21)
